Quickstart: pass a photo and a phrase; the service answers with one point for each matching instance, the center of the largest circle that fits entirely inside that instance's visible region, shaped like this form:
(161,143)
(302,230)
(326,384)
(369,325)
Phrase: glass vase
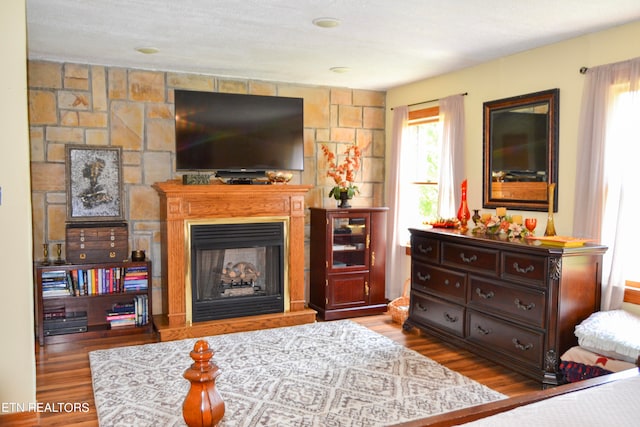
(551,229)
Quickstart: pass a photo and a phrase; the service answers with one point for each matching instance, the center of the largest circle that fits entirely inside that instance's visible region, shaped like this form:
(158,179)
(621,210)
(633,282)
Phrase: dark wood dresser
(515,302)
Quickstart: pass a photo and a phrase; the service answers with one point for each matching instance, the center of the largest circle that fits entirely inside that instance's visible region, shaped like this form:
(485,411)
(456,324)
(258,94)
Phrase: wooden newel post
(203,406)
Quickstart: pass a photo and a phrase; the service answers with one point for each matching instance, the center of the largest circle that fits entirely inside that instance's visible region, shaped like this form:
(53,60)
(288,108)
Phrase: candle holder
(45,254)
(59,260)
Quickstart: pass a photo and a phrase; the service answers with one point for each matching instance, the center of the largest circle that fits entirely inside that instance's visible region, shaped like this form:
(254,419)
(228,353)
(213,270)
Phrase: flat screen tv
(238,135)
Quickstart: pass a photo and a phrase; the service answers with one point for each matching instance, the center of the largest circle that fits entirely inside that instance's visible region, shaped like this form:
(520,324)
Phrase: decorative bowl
(279,176)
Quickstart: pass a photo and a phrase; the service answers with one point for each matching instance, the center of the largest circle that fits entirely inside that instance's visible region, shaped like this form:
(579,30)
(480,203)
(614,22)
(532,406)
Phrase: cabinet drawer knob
(421,307)
(450,318)
(482,295)
(516,342)
(422,277)
(525,307)
(466,259)
(482,330)
(525,270)
(424,250)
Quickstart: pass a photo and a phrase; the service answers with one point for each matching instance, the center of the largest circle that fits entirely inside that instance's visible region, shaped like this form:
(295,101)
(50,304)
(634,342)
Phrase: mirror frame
(552,99)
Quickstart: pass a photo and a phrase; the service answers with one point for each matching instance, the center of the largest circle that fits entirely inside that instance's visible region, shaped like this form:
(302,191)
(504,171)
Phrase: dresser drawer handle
(523,270)
(472,258)
(421,307)
(449,318)
(424,278)
(522,306)
(516,342)
(482,295)
(482,330)
(424,250)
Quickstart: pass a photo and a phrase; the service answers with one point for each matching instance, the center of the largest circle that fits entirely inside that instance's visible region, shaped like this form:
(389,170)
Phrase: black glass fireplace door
(237,270)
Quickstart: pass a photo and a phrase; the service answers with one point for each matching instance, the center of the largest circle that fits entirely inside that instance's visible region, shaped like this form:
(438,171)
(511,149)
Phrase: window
(421,164)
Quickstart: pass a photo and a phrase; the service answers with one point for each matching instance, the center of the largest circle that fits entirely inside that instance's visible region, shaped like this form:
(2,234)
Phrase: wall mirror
(521,151)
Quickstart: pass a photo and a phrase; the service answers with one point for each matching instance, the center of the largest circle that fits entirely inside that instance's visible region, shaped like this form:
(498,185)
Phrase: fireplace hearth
(237,269)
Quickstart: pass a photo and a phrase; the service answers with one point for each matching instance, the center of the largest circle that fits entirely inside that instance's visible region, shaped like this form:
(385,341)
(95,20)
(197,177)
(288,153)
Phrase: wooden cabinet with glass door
(348,248)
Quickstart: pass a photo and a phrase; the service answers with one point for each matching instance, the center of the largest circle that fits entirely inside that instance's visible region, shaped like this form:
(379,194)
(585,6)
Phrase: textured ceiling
(384,43)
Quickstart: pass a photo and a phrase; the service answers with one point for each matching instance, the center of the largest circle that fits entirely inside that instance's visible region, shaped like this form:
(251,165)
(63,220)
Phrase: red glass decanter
(463,210)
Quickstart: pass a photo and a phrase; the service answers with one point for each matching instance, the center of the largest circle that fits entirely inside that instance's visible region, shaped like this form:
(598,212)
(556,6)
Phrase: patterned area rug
(321,374)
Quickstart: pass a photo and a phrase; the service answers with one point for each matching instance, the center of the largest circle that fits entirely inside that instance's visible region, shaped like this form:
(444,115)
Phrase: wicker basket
(399,307)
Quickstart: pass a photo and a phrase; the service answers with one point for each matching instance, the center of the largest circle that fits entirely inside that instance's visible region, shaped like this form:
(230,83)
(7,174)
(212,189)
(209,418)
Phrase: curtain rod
(431,100)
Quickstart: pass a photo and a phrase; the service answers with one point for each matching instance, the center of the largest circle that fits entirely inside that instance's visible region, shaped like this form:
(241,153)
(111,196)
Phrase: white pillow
(614,333)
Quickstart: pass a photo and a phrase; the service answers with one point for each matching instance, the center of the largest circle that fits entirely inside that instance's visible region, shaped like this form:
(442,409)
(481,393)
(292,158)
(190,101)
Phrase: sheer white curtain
(397,271)
(452,155)
(608,173)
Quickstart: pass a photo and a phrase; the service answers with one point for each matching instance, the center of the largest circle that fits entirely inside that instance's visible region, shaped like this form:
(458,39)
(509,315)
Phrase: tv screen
(235,133)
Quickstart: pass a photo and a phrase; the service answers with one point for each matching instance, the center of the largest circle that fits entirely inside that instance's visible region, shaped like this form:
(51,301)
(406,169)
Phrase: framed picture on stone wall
(94,183)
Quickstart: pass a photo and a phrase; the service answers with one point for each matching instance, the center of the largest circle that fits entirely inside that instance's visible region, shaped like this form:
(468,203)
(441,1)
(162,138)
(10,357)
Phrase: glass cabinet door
(350,241)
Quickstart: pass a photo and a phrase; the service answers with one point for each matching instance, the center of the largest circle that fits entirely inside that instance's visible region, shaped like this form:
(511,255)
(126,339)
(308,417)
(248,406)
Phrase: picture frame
(94,183)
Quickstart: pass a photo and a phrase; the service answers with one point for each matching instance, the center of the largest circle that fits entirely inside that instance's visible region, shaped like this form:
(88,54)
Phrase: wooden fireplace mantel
(182,203)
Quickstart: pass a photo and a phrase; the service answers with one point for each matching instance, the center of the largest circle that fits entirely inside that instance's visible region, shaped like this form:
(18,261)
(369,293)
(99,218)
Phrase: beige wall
(17,358)
(553,66)
(100,106)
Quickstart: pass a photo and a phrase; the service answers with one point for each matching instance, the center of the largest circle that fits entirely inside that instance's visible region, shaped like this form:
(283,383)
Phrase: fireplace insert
(237,269)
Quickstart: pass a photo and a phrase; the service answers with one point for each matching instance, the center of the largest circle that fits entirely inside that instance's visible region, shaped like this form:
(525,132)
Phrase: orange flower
(343,174)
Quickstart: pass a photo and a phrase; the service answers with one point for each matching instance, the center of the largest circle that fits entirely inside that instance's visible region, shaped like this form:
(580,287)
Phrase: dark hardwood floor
(64,376)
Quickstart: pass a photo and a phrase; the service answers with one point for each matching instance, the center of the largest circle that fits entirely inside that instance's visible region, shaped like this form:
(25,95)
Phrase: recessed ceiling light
(340,70)
(148,50)
(326,22)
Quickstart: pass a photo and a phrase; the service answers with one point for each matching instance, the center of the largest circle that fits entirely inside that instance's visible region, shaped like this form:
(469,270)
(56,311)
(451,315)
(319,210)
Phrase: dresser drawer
(470,258)
(446,283)
(444,315)
(523,267)
(520,343)
(522,305)
(425,249)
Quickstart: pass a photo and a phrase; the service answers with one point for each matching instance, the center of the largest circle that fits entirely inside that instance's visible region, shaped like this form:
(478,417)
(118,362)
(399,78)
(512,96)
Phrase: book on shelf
(135,313)
(94,281)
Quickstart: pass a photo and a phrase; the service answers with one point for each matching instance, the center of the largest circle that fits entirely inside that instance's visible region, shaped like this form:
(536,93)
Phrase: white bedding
(580,355)
(612,404)
(614,334)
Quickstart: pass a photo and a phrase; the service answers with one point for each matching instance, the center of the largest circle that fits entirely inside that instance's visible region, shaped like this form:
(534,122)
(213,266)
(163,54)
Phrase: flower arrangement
(500,225)
(343,174)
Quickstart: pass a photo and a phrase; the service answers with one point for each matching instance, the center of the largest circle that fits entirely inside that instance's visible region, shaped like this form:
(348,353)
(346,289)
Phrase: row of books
(94,281)
(135,313)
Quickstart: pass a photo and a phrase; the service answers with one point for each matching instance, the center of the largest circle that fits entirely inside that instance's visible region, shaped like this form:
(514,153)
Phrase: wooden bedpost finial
(203,406)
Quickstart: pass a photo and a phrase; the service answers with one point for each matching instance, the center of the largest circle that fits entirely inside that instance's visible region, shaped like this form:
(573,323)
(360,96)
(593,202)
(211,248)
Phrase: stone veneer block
(341,96)
(92,120)
(369,98)
(47,176)
(191,81)
(160,171)
(97,137)
(127,124)
(64,134)
(144,203)
(349,116)
(69,118)
(73,100)
(364,140)
(232,86)
(99,88)
(146,86)
(373,118)
(131,174)
(117,78)
(160,111)
(76,77)
(262,88)
(56,153)
(343,135)
(56,217)
(36,138)
(42,108)
(161,135)
(44,74)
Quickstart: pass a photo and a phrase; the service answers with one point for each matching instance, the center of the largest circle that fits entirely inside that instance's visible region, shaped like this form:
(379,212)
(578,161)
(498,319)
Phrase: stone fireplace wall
(101,105)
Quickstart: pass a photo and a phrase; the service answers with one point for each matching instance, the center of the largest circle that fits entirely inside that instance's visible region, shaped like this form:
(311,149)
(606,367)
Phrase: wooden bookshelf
(58,286)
